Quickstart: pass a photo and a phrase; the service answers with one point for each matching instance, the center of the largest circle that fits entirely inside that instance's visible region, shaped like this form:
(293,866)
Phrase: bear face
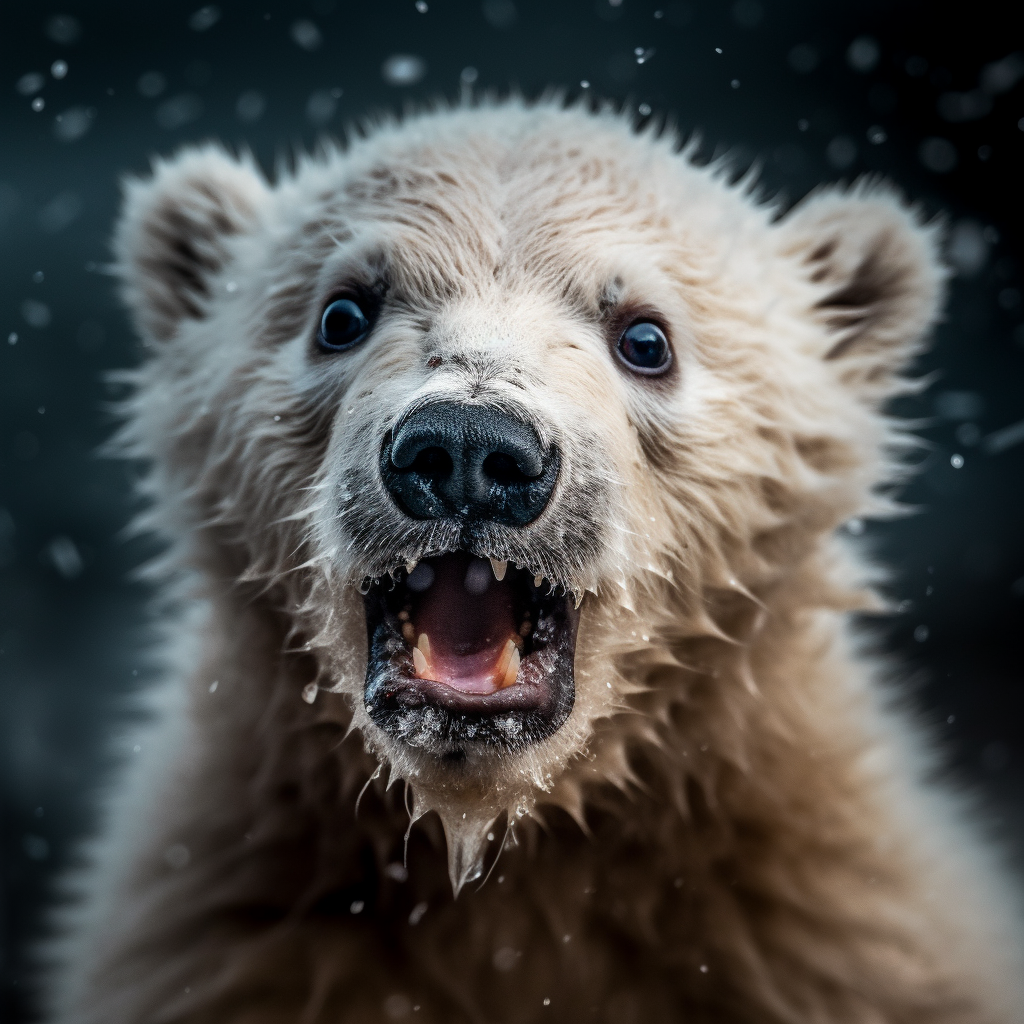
(521,420)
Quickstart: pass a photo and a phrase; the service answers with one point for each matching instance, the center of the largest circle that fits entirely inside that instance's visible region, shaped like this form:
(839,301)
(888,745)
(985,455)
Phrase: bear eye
(644,348)
(342,326)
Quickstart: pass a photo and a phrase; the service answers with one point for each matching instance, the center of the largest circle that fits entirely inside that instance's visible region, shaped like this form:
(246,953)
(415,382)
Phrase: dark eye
(644,348)
(342,326)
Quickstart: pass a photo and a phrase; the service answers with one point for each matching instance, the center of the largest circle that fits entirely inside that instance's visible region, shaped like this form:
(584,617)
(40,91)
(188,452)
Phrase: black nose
(470,462)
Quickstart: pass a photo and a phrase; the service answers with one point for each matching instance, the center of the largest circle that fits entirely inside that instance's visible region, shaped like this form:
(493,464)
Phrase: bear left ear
(173,233)
(876,276)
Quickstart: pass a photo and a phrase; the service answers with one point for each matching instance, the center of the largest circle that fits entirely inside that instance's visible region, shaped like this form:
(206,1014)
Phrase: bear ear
(876,276)
(173,232)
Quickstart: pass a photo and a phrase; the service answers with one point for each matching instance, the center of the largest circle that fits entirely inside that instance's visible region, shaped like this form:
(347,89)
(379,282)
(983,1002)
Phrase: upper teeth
(420,576)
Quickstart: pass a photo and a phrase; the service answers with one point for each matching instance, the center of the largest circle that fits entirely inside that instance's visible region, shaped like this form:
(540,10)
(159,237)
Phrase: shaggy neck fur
(667,861)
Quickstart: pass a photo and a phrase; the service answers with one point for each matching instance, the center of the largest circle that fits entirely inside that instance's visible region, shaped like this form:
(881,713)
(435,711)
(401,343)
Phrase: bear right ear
(173,232)
(876,277)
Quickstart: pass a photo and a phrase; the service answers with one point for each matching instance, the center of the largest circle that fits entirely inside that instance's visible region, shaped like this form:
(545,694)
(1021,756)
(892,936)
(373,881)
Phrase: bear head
(519,417)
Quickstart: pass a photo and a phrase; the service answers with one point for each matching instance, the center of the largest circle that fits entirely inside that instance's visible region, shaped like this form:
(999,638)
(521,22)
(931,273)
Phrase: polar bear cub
(501,460)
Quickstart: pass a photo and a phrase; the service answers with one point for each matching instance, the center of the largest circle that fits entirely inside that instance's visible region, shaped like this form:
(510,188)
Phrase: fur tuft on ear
(172,234)
(877,279)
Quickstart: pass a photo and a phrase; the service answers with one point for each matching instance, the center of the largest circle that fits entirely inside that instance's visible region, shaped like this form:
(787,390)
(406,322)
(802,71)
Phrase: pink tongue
(468,628)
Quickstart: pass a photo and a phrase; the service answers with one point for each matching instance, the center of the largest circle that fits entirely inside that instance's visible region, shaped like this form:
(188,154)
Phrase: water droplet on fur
(855,526)
(364,586)
(490,837)
(421,6)
(356,907)
(416,914)
(214,685)
(420,578)
(547,1001)
(956,461)
(921,634)
(309,692)
(703,968)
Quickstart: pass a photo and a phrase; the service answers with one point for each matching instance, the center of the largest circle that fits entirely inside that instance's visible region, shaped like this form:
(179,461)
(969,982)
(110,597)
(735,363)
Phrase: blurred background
(931,96)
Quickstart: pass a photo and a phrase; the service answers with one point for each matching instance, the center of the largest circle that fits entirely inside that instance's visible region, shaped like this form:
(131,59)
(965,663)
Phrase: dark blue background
(786,89)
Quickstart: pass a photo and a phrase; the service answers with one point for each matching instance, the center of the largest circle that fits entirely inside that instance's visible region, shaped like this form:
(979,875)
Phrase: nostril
(503,469)
(434,462)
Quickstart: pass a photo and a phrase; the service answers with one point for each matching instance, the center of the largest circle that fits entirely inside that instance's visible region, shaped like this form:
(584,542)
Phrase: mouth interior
(464,627)
(464,623)
(466,650)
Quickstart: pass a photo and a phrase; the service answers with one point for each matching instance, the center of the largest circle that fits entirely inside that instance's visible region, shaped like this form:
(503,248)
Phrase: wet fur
(734,824)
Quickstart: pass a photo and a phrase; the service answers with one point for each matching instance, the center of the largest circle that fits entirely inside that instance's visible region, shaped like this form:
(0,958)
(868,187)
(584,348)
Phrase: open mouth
(469,650)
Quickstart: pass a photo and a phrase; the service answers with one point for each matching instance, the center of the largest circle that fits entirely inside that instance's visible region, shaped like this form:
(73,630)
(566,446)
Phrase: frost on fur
(718,817)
